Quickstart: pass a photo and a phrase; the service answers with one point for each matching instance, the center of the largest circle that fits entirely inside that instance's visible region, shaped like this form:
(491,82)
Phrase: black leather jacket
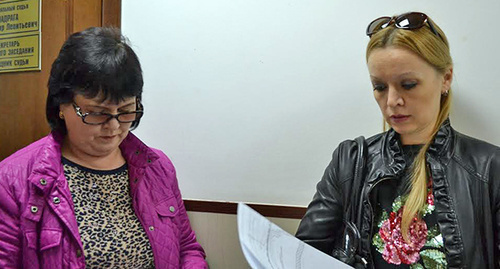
(466,187)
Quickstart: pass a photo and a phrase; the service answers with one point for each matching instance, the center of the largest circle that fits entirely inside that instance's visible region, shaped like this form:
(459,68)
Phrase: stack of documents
(265,245)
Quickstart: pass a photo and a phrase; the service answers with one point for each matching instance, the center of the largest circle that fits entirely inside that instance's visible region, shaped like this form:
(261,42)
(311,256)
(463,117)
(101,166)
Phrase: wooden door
(23,94)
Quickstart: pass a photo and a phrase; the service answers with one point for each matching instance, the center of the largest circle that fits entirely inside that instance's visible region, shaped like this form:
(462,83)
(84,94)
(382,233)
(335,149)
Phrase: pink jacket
(38,227)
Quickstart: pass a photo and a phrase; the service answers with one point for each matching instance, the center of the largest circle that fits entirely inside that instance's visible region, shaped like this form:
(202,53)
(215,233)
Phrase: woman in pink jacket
(91,194)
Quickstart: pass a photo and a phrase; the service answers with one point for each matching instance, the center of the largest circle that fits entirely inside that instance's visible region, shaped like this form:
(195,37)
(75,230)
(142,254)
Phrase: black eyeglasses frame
(139,113)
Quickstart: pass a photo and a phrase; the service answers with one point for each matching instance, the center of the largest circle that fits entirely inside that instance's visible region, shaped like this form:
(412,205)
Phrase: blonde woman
(429,196)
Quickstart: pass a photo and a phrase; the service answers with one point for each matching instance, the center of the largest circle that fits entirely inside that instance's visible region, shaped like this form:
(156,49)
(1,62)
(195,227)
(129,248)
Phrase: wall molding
(275,211)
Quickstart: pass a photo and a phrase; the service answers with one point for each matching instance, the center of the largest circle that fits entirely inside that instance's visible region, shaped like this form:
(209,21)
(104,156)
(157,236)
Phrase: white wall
(249,98)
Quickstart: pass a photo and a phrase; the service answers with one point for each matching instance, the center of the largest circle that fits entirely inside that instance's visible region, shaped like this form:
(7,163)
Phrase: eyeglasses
(97,118)
(407,21)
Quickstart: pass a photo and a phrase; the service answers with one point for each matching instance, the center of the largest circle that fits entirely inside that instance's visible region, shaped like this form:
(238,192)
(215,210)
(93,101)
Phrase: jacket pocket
(31,240)
(48,239)
(167,207)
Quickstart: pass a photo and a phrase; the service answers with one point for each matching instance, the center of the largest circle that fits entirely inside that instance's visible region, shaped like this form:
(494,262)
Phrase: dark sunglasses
(407,21)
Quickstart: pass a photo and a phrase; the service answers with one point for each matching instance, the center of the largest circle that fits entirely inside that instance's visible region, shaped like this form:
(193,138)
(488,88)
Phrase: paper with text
(267,246)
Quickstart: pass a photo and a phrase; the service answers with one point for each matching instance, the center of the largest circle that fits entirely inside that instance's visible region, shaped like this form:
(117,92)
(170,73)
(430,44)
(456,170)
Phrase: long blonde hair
(435,50)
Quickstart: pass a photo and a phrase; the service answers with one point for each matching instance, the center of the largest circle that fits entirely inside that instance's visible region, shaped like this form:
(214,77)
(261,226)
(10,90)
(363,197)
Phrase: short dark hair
(96,61)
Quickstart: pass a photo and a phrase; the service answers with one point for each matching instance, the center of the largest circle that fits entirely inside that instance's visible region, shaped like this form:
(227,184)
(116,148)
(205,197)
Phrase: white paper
(265,245)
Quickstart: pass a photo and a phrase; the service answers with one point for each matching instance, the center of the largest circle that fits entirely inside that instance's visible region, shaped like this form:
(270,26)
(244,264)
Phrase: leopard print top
(111,233)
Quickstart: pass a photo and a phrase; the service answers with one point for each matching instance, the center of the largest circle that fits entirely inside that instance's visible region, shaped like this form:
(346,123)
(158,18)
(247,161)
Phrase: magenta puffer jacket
(38,227)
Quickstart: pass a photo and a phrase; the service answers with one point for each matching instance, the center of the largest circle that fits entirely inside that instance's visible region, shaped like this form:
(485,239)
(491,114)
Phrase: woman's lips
(399,118)
(108,137)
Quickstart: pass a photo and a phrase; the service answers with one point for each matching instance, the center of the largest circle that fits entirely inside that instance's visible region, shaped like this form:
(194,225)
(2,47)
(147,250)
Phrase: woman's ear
(63,108)
(447,80)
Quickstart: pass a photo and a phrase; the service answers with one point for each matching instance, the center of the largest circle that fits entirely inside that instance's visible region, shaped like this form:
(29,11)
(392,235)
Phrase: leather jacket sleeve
(323,220)
(494,175)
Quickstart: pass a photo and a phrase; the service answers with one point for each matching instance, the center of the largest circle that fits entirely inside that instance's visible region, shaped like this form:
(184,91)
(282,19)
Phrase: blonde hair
(435,50)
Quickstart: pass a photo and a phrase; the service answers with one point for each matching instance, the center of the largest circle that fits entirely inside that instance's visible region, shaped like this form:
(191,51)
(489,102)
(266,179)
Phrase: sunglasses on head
(407,21)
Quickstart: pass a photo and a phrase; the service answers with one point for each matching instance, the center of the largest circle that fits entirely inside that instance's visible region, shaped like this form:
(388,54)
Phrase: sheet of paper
(267,246)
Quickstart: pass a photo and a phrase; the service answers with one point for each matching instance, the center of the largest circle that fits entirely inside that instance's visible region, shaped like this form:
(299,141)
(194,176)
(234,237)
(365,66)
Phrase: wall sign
(20,35)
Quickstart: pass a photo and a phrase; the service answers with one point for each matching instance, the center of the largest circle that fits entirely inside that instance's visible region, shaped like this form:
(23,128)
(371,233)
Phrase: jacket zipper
(134,205)
(371,208)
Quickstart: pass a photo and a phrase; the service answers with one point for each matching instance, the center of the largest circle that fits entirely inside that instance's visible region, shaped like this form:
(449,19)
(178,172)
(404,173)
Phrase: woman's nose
(394,98)
(113,124)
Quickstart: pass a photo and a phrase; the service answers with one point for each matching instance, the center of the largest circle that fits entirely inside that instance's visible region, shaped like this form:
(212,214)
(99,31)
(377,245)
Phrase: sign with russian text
(19,53)
(19,35)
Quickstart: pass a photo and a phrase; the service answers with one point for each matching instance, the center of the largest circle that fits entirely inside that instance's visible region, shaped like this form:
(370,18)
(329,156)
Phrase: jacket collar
(47,165)
(442,147)
(136,152)
(392,151)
